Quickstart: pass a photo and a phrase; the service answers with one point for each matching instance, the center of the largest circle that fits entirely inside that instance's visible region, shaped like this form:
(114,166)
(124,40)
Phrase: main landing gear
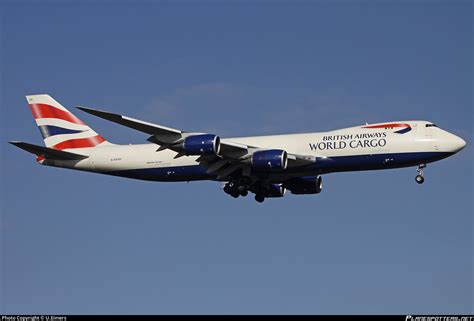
(259,197)
(235,190)
(420,178)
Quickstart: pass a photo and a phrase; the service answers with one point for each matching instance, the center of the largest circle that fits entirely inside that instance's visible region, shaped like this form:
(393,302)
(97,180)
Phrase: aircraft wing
(165,133)
(165,136)
(232,155)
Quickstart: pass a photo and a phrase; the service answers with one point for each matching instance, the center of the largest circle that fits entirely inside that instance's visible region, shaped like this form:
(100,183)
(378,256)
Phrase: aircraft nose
(456,143)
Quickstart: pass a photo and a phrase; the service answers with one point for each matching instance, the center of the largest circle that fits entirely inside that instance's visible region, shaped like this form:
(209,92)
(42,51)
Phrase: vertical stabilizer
(59,127)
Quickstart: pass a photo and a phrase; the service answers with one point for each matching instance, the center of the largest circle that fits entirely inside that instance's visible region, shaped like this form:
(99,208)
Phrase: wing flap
(233,150)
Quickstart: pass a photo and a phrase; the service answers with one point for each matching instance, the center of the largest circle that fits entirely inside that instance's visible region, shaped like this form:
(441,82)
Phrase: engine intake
(305,185)
(271,159)
(206,144)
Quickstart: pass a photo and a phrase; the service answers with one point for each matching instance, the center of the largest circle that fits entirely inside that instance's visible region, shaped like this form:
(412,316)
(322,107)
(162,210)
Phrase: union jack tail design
(59,127)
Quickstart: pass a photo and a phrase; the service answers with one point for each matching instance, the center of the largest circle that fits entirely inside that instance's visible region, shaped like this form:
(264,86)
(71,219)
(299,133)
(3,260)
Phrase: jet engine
(206,144)
(271,159)
(305,185)
(275,190)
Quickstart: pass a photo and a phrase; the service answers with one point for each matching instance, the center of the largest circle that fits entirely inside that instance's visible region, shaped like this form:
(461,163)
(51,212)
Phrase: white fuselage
(354,148)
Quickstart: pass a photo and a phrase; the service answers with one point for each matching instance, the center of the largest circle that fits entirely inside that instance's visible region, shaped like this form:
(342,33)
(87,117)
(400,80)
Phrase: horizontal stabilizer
(48,153)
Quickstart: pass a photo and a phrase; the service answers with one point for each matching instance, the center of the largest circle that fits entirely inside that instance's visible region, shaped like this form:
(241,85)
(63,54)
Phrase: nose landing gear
(420,177)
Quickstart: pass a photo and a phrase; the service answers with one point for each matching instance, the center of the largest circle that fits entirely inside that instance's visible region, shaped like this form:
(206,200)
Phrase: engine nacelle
(206,144)
(271,159)
(275,190)
(305,185)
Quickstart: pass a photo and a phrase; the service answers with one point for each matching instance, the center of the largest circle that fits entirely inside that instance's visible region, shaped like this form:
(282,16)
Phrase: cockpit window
(431,125)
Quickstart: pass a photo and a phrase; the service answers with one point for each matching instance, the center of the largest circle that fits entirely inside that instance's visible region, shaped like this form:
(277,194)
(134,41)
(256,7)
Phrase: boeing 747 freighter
(264,165)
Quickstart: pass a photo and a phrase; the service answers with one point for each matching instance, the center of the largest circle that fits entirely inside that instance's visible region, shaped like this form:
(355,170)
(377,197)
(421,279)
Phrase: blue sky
(372,242)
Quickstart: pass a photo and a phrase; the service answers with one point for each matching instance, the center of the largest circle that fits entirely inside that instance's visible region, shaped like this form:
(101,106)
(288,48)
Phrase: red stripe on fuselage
(48,111)
(389,125)
(80,143)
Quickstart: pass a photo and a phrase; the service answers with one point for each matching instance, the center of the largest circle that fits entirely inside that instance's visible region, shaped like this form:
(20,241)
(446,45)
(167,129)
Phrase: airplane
(267,166)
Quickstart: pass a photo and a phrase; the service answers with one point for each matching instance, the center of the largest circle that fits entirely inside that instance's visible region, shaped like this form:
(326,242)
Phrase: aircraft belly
(376,161)
(165,174)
